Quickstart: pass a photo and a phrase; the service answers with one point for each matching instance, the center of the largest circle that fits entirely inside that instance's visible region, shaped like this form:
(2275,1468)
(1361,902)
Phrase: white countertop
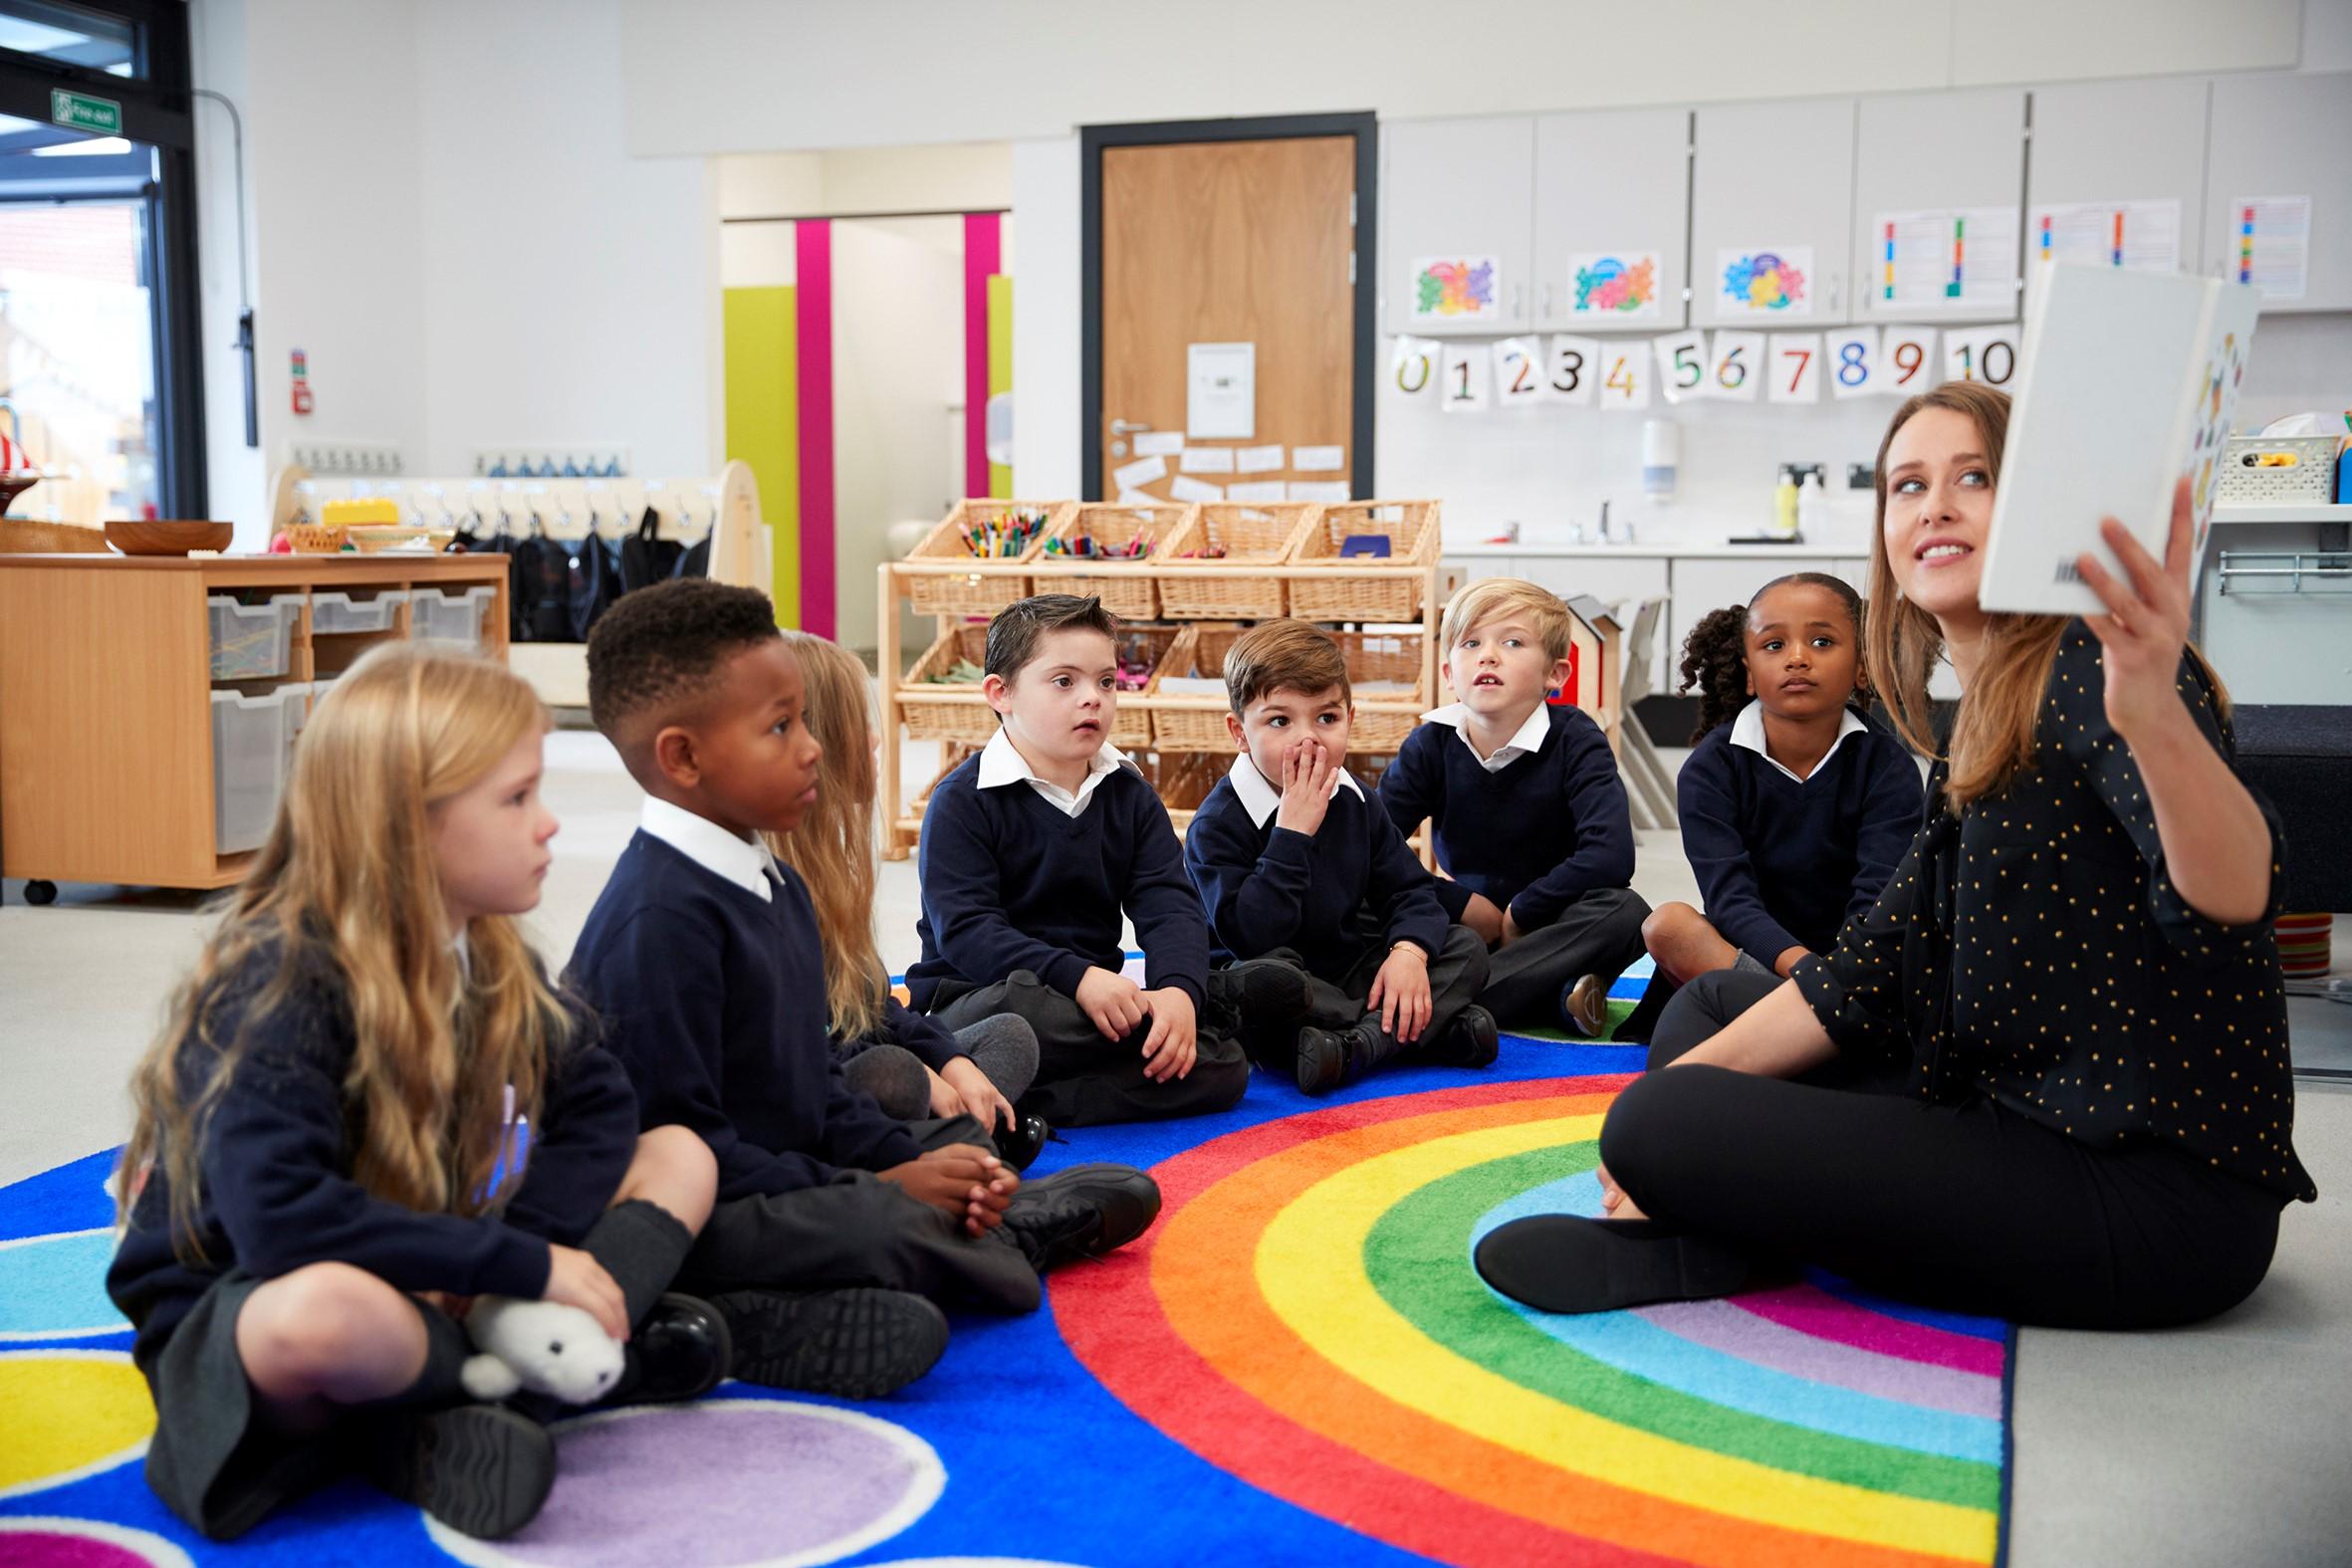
(1463,549)
(2291,512)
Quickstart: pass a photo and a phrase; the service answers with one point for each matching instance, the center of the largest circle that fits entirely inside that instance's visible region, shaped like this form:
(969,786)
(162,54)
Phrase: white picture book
(2129,381)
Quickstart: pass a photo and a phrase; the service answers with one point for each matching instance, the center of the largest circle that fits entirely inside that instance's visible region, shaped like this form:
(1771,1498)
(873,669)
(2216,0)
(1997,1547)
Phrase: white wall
(445,220)
(955,177)
(748,76)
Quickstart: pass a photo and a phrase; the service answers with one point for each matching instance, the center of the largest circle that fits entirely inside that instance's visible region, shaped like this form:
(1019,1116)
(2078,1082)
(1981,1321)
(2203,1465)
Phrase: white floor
(2226,1443)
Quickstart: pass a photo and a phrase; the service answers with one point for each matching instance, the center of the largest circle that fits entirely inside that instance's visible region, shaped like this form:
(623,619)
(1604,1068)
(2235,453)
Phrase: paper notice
(2274,251)
(2138,236)
(1186,487)
(1771,282)
(1139,498)
(1159,443)
(1324,490)
(1206,460)
(1944,257)
(1318,459)
(1256,490)
(1141,472)
(1258,460)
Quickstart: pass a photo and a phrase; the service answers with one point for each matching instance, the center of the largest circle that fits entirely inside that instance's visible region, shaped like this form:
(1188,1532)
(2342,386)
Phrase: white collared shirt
(1526,741)
(1261,799)
(1749,730)
(1000,762)
(745,862)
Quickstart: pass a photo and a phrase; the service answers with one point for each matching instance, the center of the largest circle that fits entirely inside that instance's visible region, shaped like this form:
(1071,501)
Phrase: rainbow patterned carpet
(1297,1365)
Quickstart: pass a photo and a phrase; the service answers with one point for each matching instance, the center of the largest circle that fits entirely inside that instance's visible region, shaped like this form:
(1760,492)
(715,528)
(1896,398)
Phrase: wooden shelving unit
(947,714)
(107,766)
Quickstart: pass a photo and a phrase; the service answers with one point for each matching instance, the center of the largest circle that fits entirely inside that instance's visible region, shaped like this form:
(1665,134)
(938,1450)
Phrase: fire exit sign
(81,112)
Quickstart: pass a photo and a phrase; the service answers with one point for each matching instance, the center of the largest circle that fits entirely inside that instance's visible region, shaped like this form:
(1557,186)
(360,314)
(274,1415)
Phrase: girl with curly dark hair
(1795,806)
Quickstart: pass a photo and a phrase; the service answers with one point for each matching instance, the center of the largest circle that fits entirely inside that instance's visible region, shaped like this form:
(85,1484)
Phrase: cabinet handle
(1547,302)
(1519,302)
(1836,290)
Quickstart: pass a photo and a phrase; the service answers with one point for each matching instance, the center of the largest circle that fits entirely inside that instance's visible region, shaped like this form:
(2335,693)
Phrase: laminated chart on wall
(2272,249)
(1768,281)
(2138,236)
(1456,289)
(1614,284)
(1946,258)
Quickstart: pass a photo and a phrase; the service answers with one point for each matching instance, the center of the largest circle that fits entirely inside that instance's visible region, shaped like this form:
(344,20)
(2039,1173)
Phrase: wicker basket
(1129,589)
(948,713)
(1182,781)
(1412,530)
(318,538)
(1199,651)
(1383,721)
(1251,535)
(976,593)
(1130,726)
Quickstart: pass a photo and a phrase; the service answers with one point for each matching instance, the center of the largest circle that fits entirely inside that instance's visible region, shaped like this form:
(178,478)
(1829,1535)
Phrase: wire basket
(977,592)
(2244,479)
(1128,590)
(1412,530)
(945,712)
(1248,535)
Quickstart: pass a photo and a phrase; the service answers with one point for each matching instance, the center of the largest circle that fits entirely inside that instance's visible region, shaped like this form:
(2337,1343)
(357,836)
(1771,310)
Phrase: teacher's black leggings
(1968,1207)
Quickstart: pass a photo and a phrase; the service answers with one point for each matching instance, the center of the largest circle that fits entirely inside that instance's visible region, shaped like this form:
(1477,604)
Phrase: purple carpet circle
(41,1542)
(720,1484)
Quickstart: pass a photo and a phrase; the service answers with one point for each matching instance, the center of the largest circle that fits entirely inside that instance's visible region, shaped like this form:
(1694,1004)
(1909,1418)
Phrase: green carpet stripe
(1417,1255)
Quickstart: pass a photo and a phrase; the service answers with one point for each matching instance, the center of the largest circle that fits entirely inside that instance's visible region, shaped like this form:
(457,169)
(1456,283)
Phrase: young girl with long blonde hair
(330,1157)
(2064,1018)
(911,1065)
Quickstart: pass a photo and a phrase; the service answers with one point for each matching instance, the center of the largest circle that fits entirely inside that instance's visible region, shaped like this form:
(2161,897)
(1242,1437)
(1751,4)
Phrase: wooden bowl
(168,538)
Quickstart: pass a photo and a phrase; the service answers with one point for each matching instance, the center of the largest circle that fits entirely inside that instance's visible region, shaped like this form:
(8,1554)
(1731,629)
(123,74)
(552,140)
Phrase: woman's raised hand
(2146,621)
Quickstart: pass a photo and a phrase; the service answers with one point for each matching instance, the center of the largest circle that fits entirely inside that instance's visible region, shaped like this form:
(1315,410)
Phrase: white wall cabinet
(1611,182)
(2119,142)
(1931,151)
(1773,176)
(1457,188)
(2283,135)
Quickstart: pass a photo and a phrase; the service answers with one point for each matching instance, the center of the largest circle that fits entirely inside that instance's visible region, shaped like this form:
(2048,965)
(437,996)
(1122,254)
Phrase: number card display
(1518,373)
(1462,375)
(1985,353)
(1412,366)
(1738,368)
(1851,361)
(1797,368)
(1573,376)
(1907,360)
(1682,365)
(1624,376)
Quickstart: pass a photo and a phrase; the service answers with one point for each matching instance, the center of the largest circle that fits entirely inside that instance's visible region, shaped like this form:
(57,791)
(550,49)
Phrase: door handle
(1124,426)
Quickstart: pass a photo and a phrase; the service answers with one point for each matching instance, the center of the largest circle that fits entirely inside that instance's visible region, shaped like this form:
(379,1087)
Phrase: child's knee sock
(640,1244)
(445,1350)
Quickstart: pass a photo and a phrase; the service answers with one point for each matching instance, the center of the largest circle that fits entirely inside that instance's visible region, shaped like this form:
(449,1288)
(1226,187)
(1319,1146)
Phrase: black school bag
(595,580)
(543,586)
(645,557)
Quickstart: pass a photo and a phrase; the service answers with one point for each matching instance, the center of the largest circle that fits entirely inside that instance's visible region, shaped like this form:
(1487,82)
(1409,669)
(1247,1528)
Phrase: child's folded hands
(961,1181)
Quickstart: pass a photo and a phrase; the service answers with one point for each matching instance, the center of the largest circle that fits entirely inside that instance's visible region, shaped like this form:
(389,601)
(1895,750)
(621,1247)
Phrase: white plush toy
(543,1346)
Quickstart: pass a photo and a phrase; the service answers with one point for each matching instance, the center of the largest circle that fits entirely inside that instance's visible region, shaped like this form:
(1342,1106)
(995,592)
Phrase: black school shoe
(1082,1211)
(1259,1001)
(482,1469)
(1470,1041)
(854,1344)
(682,1351)
(1018,1144)
(1563,1263)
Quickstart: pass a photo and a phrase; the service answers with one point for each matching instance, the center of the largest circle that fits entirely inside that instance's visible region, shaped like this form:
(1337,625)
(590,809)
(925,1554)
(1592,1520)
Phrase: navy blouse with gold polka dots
(2034,950)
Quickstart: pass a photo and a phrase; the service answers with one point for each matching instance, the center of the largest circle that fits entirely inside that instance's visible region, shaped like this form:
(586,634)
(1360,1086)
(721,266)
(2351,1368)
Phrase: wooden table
(106,725)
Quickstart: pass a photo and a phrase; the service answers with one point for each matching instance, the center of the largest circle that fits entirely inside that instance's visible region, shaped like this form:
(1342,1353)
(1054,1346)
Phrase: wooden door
(1229,242)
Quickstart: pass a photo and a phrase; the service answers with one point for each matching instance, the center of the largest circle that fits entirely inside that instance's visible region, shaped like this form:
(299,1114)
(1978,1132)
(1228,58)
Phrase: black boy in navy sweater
(1030,851)
(1292,862)
(837,1227)
(1531,824)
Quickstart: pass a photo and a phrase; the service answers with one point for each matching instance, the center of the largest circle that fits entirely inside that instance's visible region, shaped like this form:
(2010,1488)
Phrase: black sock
(445,1350)
(640,1244)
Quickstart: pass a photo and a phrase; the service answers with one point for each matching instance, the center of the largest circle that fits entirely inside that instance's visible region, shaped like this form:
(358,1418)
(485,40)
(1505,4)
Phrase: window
(99,373)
